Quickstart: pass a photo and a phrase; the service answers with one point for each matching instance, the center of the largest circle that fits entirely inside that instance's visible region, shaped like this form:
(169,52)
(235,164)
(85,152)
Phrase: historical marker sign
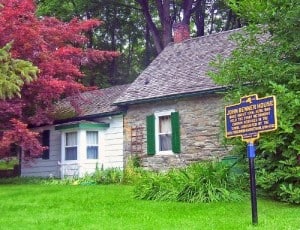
(251,117)
(248,119)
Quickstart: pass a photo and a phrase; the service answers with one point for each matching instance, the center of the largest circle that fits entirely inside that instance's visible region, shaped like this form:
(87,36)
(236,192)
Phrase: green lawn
(112,207)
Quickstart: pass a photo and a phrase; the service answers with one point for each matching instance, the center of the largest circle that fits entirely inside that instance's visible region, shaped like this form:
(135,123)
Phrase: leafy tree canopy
(139,29)
(59,50)
(266,62)
(14,73)
(123,30)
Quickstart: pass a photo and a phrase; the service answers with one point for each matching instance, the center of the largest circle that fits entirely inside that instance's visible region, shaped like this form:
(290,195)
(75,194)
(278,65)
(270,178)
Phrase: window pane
(165,142)
(46,142)
(165,130)
(165,124)
(71,153)
(92,144)
(71,139)
(92,138)
(92,152)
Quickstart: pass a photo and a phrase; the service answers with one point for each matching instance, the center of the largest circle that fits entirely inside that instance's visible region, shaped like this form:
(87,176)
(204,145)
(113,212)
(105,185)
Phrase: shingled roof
(90,103)
(180,70)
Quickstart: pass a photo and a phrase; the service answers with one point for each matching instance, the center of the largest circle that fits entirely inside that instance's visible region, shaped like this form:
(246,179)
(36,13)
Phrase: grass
(112,207)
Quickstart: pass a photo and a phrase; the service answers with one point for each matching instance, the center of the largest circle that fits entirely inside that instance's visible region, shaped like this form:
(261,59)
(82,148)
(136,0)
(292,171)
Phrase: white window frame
(157,141)
(98,145)
(82,146)
(65,146)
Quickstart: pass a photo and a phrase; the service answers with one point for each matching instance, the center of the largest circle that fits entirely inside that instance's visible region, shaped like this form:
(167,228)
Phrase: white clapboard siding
(46,167)
(113,150)
(111,154)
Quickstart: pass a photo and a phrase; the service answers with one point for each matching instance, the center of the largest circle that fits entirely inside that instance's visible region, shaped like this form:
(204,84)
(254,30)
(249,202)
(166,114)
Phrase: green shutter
(151,134)
(175,132)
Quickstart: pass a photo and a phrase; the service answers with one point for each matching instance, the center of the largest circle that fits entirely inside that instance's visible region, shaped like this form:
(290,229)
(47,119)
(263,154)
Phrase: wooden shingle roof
(180,70)
(90,103)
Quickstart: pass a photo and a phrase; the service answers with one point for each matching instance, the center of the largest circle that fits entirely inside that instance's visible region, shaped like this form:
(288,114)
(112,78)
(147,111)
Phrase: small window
(92,145)
(165,133)
(46,143)
(71,146)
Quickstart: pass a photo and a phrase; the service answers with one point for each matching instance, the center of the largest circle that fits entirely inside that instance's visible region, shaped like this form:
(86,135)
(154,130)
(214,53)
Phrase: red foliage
(19,134)
(58,49)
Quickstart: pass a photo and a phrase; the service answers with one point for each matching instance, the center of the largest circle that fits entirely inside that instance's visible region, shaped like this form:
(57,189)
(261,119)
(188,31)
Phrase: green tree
(203,17)
(139,29)
(14,73)
(123,30)
(266,62)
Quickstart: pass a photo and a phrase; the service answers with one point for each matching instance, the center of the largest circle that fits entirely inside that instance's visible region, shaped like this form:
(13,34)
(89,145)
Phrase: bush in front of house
(200,182)
(133,171)
(108,176)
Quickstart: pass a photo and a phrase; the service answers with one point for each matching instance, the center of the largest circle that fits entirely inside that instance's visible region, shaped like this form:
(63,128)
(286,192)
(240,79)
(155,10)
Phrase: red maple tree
(58,49)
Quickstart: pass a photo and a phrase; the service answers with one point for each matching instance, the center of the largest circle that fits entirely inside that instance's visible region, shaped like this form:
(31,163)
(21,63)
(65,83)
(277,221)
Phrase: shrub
(200,182)
(103,176)
(133,173)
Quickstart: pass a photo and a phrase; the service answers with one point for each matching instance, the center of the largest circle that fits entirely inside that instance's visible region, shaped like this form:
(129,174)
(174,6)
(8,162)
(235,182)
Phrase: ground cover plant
(33,206)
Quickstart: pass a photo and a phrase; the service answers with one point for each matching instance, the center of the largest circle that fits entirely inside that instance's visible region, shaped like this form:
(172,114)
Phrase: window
(71,146)
(92,145)
(46,143)
(163,133)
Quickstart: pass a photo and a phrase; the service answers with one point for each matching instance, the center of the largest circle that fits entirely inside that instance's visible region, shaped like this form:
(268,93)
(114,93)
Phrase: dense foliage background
(267,63)
(138,29)
(59,50)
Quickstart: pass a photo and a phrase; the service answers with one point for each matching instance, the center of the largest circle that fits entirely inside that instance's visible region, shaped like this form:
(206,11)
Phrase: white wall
(110,154)
(45,167)
(113,144)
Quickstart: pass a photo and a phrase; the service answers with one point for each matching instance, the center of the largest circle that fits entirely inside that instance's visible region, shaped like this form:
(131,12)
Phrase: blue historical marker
(251,117)
(248,119)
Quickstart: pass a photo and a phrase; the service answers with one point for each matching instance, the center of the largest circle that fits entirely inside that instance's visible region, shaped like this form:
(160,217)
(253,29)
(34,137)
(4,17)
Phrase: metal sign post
(251,156)
(248,119)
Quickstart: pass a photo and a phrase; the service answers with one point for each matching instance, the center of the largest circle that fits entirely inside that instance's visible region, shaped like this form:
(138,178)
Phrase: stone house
(81,139)
(173,108)
(168,117)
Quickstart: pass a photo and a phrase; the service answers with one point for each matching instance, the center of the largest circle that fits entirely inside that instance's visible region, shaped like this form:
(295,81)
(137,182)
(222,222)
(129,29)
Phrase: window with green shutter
(163,133)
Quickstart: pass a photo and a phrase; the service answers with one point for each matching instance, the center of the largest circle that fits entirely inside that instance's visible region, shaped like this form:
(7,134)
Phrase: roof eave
(175,96)
(89,117)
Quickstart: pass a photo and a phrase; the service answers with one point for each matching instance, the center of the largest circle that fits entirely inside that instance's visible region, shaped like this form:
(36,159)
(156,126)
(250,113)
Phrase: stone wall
(199,128)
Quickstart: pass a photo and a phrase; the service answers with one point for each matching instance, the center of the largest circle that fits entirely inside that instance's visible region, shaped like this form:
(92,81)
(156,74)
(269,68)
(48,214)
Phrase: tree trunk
(163,7)
(187,11)
(199,17)
(153,29)
(147,58)
(212,16)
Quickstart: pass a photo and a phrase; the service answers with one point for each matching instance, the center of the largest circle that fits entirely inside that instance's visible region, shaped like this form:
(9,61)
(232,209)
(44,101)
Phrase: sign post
(251,156)
(248,119)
